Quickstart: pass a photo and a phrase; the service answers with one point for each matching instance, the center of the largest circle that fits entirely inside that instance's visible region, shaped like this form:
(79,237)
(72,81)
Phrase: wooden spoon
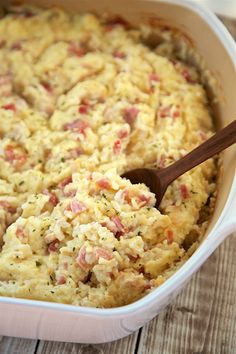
(159,180)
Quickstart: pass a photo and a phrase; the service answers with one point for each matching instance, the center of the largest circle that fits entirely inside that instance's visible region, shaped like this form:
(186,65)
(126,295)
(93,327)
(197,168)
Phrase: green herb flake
(38,264)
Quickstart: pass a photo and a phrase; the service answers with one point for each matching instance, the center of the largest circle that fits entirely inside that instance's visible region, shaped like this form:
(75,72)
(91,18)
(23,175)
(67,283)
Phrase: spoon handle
(218,142)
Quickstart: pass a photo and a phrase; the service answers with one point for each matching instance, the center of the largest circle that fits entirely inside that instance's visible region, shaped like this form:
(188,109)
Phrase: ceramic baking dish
(52,321)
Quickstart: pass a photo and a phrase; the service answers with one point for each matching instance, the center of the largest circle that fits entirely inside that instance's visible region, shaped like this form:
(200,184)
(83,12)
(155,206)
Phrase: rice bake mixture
(82,100)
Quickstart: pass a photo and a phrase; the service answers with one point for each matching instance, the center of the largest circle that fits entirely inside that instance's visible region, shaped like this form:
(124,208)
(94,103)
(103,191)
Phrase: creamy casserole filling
(82,100)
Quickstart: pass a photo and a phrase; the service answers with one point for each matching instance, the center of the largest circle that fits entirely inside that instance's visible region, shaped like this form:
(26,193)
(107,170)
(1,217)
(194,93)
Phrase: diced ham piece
(141,199)
(118,54)
(144,199)
(74,153)
(164,112)
(115,22)
(154,77)
(85,101)
(132,257)
(170,236)
(76,50)
(169,111)
(52,197)
(53,246)
(147,286)
(126,195)
(184,191)
(110,226)
(203,135)
(61,279)
(173,61)
(120,229)
(65,265)
(99,252)
(162,161)
(2,43)
(47,86)
(103,183)
(9,107)
(20,160)
(123,133)
(115,226)
(175,111)
(185,73)
(130,114)
(20,233)
(5,85)
(81,261)
(141,270)
(83,109)
(103,253)
(117,147)
(7,206)
(91,192)
(64,183)
(9,153)
(176,114)
(13,158)
(69,193)
(77,207)
(77,126)
(16,46)
(101,99)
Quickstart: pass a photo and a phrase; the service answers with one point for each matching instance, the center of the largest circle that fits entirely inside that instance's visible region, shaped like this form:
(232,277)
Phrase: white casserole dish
(58,322)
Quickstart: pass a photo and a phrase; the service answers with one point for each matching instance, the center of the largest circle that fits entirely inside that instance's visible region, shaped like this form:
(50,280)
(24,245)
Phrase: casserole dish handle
(228,223)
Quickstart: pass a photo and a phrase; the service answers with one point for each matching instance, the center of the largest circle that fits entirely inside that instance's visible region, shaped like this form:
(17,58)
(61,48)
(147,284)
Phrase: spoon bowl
(152,178)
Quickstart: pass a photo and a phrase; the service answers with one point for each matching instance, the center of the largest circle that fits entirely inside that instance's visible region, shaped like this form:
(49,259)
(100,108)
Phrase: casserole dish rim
(206,247)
